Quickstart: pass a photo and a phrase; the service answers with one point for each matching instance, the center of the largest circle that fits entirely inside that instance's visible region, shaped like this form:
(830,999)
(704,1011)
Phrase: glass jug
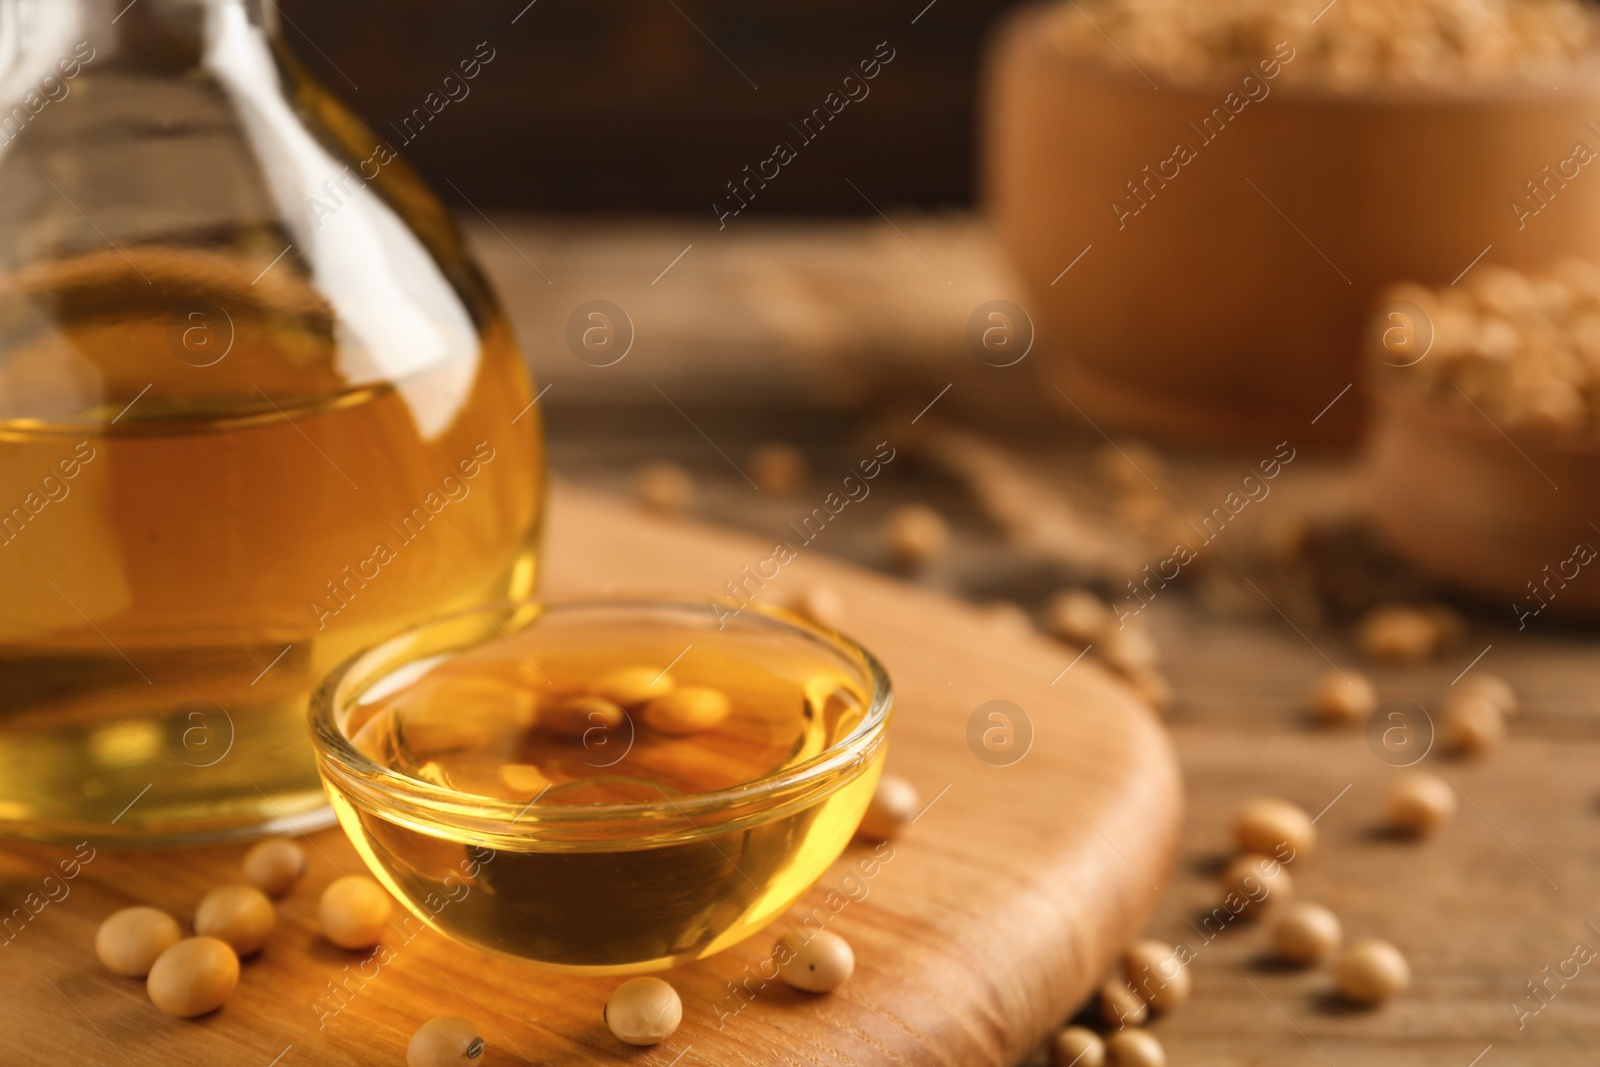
(258,408)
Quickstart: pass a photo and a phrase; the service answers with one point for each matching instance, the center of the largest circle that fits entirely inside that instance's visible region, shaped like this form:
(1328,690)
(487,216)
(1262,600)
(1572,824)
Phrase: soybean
(819,604)
(239,915)
(1493,689)
(354,910)
(1077,616)
(689,709)
(664,487)
(275,866)
(1270,826)
(130,940)
(1135,1048)
(523,780)
(818,964)
(1471,726)
(193,977)
(1120,1005)
(1399,635)
(444,1041)
(778,467)
(1078,1046)
(576,716)
(1129,649)
(630,687)
(1256,882)
(643,1011)
(1343,699)
(917,535)
(894,804)
(1157,974)
(1371,971)
(1306,934)
(1420,803)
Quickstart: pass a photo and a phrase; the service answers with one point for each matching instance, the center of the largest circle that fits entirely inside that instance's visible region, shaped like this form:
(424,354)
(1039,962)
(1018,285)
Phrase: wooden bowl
(1507,514)
(1230,308)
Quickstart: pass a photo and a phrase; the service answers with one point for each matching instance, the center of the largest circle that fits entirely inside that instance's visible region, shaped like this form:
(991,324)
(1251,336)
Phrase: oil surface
(680,888)
(203,511)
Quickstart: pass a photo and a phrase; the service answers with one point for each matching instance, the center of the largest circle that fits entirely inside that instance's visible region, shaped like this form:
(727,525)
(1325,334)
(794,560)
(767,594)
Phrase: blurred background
(939,249)
(600,153)
(586,102)
(586,163)
(603,139)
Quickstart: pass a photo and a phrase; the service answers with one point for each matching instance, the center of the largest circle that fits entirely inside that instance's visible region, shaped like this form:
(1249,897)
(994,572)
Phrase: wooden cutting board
(989,921)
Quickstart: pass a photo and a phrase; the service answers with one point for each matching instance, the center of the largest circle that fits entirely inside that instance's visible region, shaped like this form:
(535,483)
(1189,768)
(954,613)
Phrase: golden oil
(202,511)
(683,875)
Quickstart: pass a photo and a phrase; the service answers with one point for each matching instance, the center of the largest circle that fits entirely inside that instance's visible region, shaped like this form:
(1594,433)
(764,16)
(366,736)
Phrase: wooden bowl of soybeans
(1484,461)
(1205,199)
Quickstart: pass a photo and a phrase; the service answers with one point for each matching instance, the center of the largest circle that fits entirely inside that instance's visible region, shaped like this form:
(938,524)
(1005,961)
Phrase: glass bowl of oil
(603,786)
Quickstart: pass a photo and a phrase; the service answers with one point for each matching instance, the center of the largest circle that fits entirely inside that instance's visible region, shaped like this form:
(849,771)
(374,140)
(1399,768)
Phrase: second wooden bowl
(1509,513)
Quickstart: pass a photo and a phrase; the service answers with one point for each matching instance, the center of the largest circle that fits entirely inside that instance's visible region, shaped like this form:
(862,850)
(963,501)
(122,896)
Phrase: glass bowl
(616,863)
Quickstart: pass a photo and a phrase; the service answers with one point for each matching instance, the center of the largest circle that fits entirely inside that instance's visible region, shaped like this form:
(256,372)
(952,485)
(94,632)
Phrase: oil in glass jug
(257,409)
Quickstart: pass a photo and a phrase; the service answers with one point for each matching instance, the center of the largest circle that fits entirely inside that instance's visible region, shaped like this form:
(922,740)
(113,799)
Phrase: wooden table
(1506,890)
(1478,910)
